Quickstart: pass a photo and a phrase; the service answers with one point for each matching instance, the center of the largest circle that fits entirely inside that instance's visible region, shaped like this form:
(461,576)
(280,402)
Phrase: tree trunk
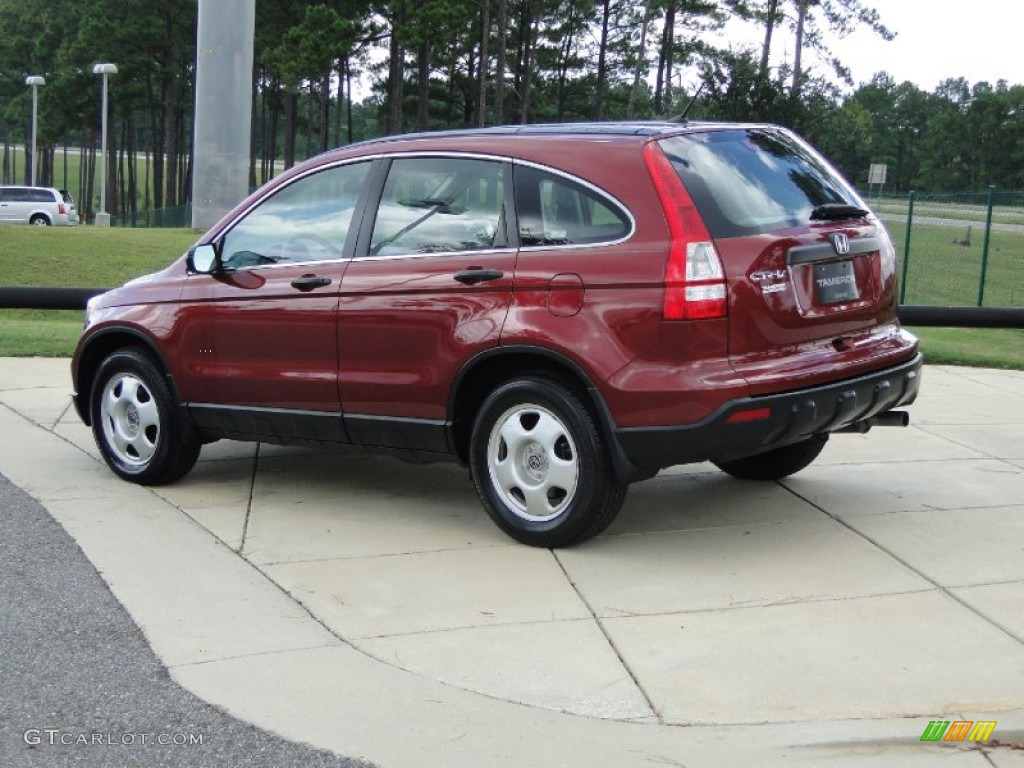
(663,83)
(499,74)
(254,121)
(110,158)
(275,119)
(798,50)
(396,73)
(291,107)
(481,91)
(641,58)
(171,188)
(325,111)
(348,97)
(602,60)
(158,129)
(133,168)
(468,92)
(311,103)
(339,103)
(423,85)
(771,19)
(527,62)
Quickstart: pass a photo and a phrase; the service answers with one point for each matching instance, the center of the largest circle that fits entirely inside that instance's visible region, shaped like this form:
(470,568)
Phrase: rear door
(429,287)
(13,205)
(811,273)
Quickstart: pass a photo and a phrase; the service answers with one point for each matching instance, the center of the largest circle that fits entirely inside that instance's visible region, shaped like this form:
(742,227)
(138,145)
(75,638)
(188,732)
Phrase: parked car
(564,309)
(42,206)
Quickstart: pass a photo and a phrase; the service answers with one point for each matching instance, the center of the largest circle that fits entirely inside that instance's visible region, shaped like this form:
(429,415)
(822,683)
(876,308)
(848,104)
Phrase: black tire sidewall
(777,463)
(573,523)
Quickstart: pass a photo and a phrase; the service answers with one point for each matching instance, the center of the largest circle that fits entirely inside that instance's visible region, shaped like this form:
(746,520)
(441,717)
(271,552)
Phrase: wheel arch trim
(625,470)
(90,355)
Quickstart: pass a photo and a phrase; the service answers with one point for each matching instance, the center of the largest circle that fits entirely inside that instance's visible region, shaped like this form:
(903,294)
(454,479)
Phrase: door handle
(475,275)
(309,282)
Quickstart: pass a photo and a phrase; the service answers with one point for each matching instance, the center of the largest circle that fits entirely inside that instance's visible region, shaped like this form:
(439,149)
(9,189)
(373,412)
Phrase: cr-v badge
(770,280)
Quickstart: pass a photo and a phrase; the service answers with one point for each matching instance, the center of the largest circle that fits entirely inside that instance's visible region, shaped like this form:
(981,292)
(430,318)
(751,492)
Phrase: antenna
(681,118)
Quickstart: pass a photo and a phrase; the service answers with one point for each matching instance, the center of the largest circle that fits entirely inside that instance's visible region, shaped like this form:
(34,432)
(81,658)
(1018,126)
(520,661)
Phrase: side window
(554,210)
(306,221)
(440,204)
(41,195)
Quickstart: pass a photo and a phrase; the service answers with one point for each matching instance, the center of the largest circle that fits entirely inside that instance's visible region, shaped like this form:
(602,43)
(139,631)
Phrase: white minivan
(42,206)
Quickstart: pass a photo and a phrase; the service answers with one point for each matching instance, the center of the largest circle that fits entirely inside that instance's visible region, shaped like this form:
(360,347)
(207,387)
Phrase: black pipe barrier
(910,314)
(962,317)
(47,298)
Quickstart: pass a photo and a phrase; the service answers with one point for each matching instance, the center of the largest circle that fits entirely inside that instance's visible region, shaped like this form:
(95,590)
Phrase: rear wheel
(776,463)
(540,465)
(39,220)
(134,423)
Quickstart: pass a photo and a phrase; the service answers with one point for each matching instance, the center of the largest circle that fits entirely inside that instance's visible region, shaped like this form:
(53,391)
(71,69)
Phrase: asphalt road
(78,683)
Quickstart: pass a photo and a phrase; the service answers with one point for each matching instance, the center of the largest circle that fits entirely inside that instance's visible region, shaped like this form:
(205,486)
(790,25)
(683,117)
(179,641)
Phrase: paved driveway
(370,607)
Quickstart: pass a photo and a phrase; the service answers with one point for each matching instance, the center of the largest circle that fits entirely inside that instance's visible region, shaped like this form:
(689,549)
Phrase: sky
(937,39)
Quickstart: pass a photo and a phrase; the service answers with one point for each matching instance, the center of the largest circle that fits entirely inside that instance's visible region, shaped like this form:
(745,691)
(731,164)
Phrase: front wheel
(134,424)
(776,463)
(540,465)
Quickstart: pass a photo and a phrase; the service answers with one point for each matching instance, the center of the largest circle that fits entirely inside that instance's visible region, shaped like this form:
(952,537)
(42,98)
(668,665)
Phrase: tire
(39,220)
(134,421)
(540,466)
(777,463)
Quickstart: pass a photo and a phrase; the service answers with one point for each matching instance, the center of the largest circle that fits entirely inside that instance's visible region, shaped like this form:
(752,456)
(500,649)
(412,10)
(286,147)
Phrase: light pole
(103,218)
(35,81)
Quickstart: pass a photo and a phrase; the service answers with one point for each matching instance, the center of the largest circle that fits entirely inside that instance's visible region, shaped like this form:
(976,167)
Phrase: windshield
(754,180)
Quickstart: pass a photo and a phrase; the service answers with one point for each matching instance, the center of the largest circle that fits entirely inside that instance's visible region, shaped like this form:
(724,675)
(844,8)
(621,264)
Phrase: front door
(260,334)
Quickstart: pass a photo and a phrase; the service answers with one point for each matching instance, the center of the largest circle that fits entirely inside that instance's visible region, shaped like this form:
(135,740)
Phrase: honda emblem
(841,243)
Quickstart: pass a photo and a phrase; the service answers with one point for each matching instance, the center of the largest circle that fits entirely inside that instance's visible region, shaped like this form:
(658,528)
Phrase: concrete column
(224,53)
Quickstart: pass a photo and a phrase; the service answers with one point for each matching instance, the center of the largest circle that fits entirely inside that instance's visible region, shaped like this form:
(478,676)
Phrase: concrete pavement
(371,608)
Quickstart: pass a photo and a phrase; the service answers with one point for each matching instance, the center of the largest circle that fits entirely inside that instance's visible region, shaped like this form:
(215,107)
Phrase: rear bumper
(782,419)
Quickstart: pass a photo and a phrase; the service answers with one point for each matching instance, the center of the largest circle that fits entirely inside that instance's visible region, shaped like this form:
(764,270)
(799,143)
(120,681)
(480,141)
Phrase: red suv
(565,309)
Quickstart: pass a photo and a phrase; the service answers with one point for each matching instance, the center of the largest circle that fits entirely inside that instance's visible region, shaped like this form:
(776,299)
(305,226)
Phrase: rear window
(754,180)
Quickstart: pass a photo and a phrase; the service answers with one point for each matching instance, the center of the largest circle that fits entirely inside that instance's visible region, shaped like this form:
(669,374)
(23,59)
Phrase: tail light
(61,209)
(695,285)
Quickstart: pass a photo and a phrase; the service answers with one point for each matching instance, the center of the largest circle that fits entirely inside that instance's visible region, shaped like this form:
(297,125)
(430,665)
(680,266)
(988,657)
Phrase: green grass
(945,274)
(103,258)
(85,257)
(982,347)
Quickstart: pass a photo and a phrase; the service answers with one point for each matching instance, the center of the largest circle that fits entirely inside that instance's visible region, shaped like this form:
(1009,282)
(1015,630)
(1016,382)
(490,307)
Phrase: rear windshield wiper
(837,211)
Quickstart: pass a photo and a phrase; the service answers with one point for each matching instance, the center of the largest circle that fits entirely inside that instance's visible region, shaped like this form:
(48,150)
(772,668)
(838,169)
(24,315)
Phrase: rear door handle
(309,282)
(475,275)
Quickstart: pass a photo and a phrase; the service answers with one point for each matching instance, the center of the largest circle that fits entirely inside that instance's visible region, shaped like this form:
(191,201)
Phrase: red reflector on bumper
(754,414)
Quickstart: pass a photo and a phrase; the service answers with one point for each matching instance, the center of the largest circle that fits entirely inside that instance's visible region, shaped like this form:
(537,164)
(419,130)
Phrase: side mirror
(203,259)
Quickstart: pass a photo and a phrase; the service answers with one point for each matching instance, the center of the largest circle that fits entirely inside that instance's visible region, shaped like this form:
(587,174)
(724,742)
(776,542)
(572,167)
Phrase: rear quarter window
(556,210)
(754,180)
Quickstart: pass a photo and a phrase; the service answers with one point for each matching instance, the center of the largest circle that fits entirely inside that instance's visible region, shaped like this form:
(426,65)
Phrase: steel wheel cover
(130,419)
(533,462)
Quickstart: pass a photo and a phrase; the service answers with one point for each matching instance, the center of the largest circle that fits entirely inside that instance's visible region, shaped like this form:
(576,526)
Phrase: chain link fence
(178,216)
(958,250)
